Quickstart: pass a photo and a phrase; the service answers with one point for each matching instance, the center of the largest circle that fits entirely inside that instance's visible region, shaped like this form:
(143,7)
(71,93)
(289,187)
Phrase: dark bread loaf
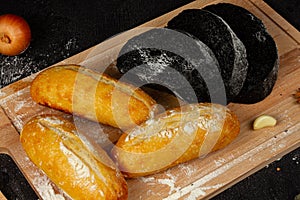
(246,54)
(261,49)
(175,60)
(218,36)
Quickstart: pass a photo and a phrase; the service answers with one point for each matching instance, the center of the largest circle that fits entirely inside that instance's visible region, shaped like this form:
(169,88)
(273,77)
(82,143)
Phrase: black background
(61,29)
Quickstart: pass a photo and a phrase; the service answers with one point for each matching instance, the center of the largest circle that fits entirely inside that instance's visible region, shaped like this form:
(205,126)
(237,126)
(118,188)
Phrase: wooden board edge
(252,171)
(2,197)
(278,20)
(194,4)
(250,165)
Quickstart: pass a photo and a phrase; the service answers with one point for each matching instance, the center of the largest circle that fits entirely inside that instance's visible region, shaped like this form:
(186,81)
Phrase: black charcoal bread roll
(218,36)
(174,60)
(261,51)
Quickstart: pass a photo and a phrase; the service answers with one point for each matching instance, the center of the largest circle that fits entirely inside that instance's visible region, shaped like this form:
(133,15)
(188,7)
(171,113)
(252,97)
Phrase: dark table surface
(61,29)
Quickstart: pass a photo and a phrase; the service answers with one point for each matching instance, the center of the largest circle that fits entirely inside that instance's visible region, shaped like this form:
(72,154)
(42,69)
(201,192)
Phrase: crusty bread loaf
(174,137)
(52,144)
(78,90)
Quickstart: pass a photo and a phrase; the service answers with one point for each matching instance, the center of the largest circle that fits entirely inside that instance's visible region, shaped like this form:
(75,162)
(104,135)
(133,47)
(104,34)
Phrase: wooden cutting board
(201,178)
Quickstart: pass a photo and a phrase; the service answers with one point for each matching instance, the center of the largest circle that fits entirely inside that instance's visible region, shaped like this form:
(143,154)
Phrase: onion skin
(15,35)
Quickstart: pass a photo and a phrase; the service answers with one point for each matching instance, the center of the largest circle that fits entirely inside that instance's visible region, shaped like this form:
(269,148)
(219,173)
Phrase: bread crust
(53,146)
(98,97)
(174,137)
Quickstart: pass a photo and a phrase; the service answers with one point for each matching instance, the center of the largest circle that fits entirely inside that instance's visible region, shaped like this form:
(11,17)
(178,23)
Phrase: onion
(15,35)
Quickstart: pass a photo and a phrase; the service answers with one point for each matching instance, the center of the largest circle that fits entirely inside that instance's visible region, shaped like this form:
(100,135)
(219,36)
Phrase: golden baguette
(174,137)
(51,144)
(95,96)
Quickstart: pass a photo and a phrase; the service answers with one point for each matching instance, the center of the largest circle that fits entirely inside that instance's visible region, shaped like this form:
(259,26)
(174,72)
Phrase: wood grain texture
(201,178)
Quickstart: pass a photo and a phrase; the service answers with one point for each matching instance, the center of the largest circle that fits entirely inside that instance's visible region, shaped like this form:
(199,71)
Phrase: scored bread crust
(52,146)
(98,97)
(174,137)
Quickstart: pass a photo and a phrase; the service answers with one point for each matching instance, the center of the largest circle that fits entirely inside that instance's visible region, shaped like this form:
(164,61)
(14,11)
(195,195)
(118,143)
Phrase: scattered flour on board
(196,193)
(278,147)
(171,181)
(2,94)
(149,179)
(285,118)
(14,104)
(43,185)
(224,168)
(186,169)
(19,105)
(220,162)
(45,189)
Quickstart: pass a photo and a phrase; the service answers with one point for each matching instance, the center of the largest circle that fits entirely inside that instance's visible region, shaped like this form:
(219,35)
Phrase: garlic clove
(264,121)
